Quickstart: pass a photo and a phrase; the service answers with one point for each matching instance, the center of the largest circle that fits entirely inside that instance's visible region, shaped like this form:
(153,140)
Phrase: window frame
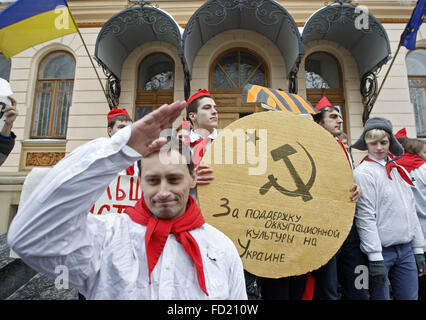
(417,77)
(262,62)
(55,83)
(333,91)
(157,95)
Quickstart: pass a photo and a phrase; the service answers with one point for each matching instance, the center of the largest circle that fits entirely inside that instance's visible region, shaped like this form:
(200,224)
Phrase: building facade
(148,54)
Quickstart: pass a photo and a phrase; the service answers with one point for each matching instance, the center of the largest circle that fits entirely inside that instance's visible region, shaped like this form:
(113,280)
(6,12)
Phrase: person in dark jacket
(7,137)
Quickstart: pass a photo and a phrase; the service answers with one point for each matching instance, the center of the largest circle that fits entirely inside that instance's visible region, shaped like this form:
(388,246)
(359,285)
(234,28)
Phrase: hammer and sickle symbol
(283,153)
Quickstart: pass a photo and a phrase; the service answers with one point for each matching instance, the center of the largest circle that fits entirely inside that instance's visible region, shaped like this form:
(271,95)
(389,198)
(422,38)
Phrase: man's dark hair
(320,115)
(193,106)
(121,117)
(177,145)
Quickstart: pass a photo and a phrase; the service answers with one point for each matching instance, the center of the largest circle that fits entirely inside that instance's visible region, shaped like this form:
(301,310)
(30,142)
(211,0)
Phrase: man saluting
(159,249)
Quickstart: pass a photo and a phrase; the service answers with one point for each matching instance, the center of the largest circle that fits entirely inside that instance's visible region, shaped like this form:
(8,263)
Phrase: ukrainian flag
(26,23)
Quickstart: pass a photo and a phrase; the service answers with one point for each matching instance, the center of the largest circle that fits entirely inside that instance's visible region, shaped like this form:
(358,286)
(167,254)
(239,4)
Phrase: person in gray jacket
(385,216)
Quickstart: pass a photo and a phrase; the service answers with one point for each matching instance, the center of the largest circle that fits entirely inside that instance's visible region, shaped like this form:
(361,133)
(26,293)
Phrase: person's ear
(194,179)
(192,116)
(109,130)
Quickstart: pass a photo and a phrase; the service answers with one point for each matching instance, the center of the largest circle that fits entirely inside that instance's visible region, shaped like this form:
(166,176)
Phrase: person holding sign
(341,268)
(386,217)
(119,119)
(160,249)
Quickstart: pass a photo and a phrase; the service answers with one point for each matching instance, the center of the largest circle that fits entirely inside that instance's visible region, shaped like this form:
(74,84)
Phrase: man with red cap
(159,249)
(341,268)
(119,119)
(201,111)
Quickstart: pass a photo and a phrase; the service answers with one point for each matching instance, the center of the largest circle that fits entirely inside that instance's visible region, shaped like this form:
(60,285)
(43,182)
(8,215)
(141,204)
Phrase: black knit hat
(379,123)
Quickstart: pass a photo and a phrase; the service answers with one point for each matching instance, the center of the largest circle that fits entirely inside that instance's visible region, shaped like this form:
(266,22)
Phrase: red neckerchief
(410,161)
(158,230)
(389,166)
(346,152)
(130,171)
(199,148)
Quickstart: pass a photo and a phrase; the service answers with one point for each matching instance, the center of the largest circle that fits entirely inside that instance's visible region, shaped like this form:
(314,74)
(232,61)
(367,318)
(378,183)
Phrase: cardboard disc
(280,193)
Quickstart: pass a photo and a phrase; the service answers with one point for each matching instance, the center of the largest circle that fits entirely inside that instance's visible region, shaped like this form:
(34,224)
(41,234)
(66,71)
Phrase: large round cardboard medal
(281,193)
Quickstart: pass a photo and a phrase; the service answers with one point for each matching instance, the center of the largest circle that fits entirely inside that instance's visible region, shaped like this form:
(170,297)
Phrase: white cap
(5,89)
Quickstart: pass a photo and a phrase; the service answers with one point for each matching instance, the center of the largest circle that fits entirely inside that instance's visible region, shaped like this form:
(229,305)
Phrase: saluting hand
(146,131)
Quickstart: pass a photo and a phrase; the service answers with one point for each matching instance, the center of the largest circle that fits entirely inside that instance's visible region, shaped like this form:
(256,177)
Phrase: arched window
(55,82)
(155,83)
(322,71)
(229,73)
(323,78)
(4,67)
(416,69)
(236,68)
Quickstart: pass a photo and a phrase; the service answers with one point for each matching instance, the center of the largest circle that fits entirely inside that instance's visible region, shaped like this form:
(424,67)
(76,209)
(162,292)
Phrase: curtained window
(55,82)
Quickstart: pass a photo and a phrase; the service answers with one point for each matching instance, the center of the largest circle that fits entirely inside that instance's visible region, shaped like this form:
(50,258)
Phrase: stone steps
(20,282)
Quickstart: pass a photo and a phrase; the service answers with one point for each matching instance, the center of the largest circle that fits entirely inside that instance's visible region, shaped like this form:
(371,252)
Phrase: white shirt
(193,136)
(105,254)
(385,213)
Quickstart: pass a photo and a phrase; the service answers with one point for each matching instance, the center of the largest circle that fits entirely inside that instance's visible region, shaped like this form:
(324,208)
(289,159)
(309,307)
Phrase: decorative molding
(160,22)
(41,154)
(113,86)
(43,159)
(324,19)
(368,89)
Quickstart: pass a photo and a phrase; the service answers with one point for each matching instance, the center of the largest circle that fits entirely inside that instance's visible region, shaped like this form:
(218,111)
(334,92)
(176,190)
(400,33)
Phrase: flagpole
(88,54)
(93,65)
(386,75)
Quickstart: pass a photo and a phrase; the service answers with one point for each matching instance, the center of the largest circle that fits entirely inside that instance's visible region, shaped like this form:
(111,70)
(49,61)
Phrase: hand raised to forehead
(146,131)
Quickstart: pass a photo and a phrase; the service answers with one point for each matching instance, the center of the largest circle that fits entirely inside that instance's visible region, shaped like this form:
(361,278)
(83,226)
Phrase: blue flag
(408,37)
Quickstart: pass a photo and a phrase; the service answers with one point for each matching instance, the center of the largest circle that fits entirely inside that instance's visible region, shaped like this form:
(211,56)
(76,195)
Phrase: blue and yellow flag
(408,37)
(26,23)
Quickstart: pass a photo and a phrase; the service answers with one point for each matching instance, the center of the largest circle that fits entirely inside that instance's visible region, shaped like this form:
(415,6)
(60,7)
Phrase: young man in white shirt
(159,249)
(386,218)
